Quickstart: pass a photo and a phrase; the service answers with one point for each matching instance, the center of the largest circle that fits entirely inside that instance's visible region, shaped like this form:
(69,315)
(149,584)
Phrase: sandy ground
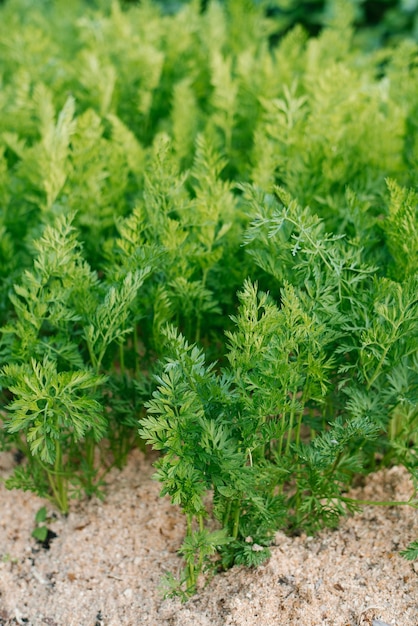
(104,568)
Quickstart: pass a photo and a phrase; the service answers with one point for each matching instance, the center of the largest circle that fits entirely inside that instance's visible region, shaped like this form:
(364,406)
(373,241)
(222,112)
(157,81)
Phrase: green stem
(191,570)
(136,350)
(121,359)
(93,358)
(199,312)
(55,492)
(289,432)
(331,471)
(201,551)
(58,482)
(235,527)
(227,514)
(291,422)
(305,396)
(378,368)
(280,445)
(298,427)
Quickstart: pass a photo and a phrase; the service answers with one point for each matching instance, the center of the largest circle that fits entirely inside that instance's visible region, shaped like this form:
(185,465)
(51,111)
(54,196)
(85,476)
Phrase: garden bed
(105,566)
(209,248)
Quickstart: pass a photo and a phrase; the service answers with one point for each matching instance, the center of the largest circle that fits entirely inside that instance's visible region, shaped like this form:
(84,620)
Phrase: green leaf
(41,515)
(411,552)
(40,533)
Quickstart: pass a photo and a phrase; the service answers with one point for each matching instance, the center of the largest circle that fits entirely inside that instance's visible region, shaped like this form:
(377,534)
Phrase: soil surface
(105,565)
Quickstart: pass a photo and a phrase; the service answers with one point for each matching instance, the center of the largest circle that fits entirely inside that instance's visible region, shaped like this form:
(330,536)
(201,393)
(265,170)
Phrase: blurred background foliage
(378,20)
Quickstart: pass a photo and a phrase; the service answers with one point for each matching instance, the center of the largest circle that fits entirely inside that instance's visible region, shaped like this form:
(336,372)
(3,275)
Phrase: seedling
(41,532)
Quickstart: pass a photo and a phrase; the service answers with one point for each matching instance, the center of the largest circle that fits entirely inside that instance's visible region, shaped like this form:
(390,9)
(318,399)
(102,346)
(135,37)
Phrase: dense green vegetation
(209,244)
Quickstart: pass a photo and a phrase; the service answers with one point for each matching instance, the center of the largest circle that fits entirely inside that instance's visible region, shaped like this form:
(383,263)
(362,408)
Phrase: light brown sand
(105,566)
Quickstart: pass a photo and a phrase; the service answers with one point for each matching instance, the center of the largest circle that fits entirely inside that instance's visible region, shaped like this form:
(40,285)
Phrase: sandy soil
(105,566)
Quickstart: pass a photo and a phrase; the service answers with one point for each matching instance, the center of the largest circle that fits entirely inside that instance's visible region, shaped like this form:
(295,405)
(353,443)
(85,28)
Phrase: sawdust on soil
(105,565)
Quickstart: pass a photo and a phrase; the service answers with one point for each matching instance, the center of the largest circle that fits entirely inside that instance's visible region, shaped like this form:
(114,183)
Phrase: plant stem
(58,482)
(199,312)
(201,549)
(291,422)
(191,569)
(227,514)
(136,350)
(237,511)
(121,359)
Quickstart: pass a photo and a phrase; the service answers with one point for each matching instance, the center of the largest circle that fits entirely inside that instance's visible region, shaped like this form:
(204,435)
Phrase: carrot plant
(305,404)
(65,322)
(208,243)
